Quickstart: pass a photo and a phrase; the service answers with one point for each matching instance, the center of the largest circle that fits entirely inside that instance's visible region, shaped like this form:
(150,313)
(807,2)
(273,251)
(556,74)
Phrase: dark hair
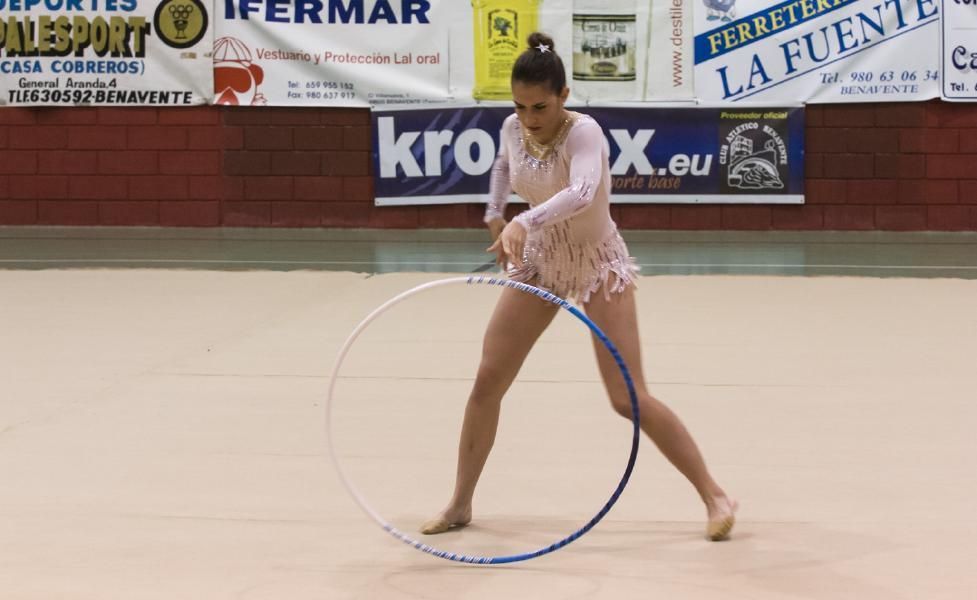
(539,67)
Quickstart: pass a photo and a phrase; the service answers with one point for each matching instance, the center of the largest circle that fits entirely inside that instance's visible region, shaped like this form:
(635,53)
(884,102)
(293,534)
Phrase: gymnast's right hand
(495,230)
(511,243)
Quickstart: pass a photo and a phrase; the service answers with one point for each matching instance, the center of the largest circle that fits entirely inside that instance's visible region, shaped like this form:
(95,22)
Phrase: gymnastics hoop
(483,560)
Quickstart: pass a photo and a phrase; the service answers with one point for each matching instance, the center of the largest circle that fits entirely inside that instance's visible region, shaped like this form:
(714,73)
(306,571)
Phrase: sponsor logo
(236,76)
(724,10)
(753,153)
(181,23)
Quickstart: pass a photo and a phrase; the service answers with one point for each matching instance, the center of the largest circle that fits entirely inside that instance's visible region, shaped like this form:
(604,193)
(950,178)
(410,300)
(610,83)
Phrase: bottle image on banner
(605,40)
(501,28)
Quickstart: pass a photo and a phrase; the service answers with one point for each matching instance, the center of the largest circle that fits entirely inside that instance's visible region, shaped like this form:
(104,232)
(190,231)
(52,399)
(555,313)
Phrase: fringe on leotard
(577,270)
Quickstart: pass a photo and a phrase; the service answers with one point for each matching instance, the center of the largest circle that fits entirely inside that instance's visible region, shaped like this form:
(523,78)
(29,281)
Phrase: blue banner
(760,25)
(749,155)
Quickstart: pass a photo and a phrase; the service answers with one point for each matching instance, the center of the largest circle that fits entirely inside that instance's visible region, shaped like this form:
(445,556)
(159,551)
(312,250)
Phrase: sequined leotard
(572,244)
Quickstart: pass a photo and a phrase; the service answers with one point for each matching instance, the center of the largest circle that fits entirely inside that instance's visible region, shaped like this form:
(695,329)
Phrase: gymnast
(566,243)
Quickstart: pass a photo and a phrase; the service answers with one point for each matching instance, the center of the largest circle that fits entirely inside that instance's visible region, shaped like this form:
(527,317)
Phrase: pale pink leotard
(573,247)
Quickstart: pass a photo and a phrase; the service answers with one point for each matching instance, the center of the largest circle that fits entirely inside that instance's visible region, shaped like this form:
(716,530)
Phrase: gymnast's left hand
(512,240)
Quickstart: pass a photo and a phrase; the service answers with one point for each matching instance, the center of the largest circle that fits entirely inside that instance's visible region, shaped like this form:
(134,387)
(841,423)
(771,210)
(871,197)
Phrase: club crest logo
(754,156)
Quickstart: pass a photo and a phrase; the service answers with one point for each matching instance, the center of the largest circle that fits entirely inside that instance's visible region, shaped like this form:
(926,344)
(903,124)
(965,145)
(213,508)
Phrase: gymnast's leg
(518,321)
(617,318)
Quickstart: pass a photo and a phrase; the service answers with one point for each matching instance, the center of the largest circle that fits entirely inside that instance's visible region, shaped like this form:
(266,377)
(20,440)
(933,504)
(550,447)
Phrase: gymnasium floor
(161,419)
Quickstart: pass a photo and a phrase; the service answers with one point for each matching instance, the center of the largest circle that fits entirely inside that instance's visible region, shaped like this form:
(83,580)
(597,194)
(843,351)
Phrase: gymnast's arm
(585,146)
(499,184)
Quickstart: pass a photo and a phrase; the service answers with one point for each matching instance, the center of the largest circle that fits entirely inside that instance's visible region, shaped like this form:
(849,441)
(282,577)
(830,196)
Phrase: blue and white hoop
(484,560)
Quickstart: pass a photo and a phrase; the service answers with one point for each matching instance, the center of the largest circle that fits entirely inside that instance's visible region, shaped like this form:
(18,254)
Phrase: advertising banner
(613,50)
(665,155)
(445,52)
(331,53)
(106,52)
(817,50)
(959,50)
(457,53)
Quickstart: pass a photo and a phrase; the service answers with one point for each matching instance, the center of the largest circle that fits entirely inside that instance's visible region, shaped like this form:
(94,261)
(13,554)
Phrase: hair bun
(539,64)
(536,38)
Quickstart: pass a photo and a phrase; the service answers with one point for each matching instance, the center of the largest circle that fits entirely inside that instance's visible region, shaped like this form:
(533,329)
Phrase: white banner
(331,53)
(817,50)
(613,50)
(106,52)
(959,50)
(672,54)
(445,52)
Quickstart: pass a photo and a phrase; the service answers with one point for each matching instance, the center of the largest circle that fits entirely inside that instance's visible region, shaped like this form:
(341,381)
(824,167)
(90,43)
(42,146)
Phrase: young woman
(566,243)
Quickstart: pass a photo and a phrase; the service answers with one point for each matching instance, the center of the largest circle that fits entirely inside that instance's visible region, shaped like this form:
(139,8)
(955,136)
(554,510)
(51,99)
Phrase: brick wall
(885,166)
(889,166)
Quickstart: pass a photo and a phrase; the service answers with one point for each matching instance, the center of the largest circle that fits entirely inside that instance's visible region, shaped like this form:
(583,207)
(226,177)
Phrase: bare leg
(617,318)
(518,321)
